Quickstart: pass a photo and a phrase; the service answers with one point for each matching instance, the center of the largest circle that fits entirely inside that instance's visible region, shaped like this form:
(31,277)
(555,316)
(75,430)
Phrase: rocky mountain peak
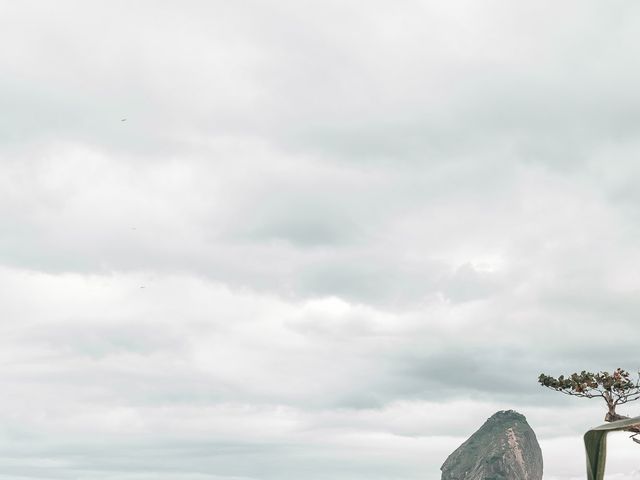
(503,448)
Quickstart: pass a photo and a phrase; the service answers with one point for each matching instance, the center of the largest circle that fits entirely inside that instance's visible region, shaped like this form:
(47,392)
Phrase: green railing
(595,444)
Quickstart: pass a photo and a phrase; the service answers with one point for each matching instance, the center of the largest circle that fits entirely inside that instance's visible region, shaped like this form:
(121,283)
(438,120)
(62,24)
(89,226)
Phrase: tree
(615,388)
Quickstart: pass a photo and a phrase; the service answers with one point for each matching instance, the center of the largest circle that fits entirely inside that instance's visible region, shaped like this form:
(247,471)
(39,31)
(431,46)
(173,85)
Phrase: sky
(311,240)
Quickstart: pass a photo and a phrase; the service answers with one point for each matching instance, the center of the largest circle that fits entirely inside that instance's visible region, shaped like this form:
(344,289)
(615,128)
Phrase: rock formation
(504,448)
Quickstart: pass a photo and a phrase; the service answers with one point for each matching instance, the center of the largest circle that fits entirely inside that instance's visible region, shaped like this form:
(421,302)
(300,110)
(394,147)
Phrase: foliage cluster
(616,386)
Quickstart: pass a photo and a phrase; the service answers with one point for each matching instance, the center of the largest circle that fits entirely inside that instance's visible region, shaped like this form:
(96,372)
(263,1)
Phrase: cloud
(327,241)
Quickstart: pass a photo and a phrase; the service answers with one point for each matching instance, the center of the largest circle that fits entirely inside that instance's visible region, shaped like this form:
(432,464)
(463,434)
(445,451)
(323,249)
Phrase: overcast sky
(311,240)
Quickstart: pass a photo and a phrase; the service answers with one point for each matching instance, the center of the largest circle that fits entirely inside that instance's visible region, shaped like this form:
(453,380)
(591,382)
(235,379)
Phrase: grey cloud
(467,284)
(96,340)
(351,223)
(302,221)
(370,280)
